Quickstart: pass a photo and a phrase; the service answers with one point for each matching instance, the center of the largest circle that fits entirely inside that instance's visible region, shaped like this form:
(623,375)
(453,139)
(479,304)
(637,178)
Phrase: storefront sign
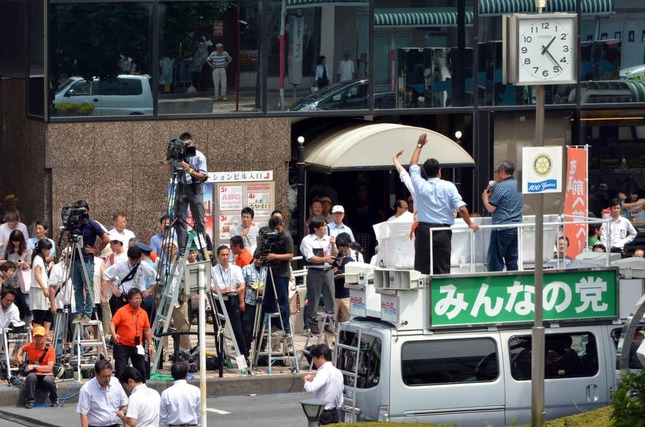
(575,200)
(241,176)
(509,298)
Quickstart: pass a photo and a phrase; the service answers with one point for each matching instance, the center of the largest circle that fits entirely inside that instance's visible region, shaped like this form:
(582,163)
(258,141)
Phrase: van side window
(639,335)
(449,361)
(369,360)
(566,355)
(120,87)
(81,88)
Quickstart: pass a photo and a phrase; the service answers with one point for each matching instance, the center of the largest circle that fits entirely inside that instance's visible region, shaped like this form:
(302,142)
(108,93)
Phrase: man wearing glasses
(505,203)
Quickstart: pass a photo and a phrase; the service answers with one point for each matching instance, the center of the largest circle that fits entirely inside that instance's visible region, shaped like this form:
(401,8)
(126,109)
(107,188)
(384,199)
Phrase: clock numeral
(557,68)
(564,59)
(565,48)
(545,25)
(545,73)
(528,39)
(536,69)
(563,36)
(524,50)
(527,61)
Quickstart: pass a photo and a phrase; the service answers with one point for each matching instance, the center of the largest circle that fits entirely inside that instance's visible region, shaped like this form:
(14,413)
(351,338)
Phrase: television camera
(73,217)
(178,151)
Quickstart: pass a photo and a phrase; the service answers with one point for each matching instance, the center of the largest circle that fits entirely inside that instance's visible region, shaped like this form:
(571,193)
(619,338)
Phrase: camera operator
(278,260)
(190,193)
(84,292)
(343,243)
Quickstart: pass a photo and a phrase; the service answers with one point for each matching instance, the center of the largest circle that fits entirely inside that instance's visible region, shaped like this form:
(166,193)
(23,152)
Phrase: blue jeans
(502,250)
(84,304)
(282,289)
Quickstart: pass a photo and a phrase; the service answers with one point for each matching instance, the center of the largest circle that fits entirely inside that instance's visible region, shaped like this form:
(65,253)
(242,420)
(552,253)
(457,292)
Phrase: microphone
(491,186)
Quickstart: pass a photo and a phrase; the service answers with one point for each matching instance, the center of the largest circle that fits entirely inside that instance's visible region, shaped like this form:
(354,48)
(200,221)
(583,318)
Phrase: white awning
(372,146)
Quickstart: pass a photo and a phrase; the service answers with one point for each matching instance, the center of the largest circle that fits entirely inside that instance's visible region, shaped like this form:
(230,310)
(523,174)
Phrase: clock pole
(537,333)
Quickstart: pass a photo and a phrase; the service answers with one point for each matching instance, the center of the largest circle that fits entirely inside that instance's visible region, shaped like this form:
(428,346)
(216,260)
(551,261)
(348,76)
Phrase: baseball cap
(39,331)
(143,247)
(115,237)
(338,208)
(325,199)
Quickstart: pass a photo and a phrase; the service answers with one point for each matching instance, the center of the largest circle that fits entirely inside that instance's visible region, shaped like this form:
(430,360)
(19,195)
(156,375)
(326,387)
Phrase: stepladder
(327,328)
(88,350)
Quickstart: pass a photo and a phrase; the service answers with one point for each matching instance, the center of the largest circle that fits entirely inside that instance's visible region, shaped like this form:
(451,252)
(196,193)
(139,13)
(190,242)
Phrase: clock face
(546,51)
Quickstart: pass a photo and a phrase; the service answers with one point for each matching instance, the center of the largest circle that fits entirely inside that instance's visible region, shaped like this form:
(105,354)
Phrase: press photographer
(278,248)
(77,222)
(190,166)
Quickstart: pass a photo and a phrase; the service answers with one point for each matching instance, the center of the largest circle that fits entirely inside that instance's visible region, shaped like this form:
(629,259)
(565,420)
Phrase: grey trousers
(319,280)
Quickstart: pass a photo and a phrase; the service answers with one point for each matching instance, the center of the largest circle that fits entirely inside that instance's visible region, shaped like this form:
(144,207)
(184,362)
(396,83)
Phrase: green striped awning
(501,7)
(293,4)
(434,17)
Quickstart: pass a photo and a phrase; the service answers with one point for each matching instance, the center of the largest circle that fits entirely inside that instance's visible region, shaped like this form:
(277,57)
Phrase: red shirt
(34,354)
(244,258)
(130,324)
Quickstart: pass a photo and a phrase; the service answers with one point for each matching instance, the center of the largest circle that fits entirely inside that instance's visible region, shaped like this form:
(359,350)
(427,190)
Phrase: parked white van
(125,95)
(456,349)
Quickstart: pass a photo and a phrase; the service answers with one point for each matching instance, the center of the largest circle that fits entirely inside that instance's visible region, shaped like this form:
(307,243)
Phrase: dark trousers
(441,249)
(189,195)
(282,289)
(122,353)
(234,315)
(45,382)
(328,416)
(502,250)
(248,323)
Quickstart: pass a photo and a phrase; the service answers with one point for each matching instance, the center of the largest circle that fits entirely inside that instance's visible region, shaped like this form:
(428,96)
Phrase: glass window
(639,335)
(369,360)
(449,361)
(106,43)
(566,355)
(209,57)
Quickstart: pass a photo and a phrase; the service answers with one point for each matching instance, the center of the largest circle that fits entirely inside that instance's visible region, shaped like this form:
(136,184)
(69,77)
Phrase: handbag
(24,277)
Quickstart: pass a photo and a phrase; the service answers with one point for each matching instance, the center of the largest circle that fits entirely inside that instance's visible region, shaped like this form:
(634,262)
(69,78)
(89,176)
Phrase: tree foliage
(628,401)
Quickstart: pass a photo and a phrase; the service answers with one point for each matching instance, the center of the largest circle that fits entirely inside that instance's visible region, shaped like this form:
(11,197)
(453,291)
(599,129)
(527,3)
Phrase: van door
(448,379)
(576,374)
(84,92)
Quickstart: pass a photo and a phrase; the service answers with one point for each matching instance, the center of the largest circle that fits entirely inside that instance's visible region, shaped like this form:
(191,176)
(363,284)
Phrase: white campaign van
(457,348)
(127,94)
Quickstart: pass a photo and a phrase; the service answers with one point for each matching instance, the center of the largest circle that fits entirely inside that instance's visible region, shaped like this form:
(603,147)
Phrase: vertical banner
(576,200)
(542,169)
(296,48)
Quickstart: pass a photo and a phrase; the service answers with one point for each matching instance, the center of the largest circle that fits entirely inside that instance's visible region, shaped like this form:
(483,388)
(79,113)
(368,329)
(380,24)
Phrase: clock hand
(553,59)
(546,49)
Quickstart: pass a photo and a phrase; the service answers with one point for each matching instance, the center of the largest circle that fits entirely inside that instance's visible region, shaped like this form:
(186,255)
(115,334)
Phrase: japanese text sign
(509,298)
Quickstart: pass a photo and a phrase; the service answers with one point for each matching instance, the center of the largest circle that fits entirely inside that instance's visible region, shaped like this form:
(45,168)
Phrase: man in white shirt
(120,222)
(346,68)
(181,403)
(619,231)
(125,275)
(326,385)
(144,403)
(230,281)
(319,252)
(401,213)
(247,230)
(101,398)
(336,227)
(9,312)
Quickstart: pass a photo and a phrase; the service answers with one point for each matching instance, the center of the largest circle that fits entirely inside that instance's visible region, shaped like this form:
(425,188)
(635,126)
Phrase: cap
(115,237)
(10,197)
(39,331)
(325,199)
(338,208)
(143,247)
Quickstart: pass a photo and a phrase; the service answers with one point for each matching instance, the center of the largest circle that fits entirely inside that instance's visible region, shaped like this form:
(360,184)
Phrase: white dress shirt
(621,232)
(312,245)
(227,277)
(144,406)
(57,276)
(101,404)
(10,316)
(333,230)
(121,269)
(327,385)
(124,235)
(181,404)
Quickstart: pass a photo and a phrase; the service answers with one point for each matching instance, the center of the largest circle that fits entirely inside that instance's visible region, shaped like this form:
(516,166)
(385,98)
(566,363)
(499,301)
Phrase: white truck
(457,348)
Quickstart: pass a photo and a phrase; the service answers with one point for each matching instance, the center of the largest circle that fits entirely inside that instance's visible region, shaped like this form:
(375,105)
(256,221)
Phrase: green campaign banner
(509,298)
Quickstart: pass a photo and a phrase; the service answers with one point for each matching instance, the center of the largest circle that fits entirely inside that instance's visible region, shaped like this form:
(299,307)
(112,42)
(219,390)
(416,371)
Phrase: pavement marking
(217,411)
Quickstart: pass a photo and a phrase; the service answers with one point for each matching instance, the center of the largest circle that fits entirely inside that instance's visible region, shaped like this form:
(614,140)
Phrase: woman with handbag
(322,73)
(18,253)
(39,293)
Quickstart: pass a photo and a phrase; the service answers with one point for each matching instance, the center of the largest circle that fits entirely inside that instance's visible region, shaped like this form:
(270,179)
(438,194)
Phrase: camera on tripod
(267,241)
(73,218)
(179,151)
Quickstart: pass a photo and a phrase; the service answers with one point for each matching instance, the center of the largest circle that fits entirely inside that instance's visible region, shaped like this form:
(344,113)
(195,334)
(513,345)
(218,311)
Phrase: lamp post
(312,409)
(301,183)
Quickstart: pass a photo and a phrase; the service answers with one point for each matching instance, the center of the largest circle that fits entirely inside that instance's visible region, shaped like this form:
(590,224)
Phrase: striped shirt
(219,60)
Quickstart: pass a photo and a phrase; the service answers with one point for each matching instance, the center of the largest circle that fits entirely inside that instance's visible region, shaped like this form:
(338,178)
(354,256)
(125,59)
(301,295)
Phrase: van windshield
(367,367)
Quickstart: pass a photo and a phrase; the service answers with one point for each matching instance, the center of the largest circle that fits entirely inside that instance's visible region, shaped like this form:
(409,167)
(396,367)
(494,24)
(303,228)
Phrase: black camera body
(73,218)
(267,241)
(179,151)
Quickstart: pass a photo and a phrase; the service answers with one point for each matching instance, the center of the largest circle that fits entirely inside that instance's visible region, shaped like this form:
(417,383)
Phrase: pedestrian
(326,385)
(247,230)
(346,68)
(322,73)
(505,203)
(362,67)
(343,242)
(181,404)
(436,200)
(219,60)
(143,404)
(129,327)
(319,252)
(619,231)
(39,356)
(101,398)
